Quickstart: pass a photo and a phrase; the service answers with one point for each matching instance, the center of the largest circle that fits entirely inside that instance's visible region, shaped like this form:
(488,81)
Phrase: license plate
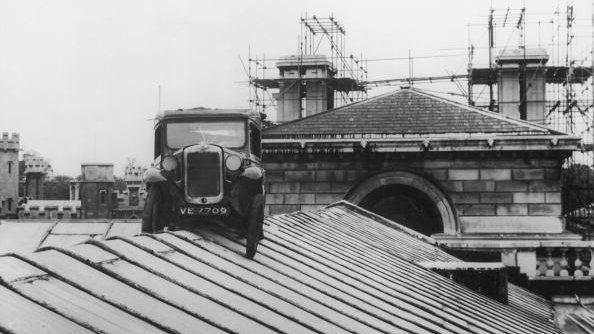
(204,211)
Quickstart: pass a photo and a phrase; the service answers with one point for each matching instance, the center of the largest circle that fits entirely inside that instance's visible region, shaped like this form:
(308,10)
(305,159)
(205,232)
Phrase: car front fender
(253,173)
(153,175)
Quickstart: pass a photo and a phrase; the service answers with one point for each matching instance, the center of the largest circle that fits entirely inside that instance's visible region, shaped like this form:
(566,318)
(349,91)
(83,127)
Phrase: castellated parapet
(9,143)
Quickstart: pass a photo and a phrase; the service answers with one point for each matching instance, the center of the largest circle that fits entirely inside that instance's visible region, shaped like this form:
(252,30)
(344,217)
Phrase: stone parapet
(10,143)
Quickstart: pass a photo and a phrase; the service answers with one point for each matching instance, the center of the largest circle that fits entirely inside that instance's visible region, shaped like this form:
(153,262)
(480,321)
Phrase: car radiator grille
(203,174)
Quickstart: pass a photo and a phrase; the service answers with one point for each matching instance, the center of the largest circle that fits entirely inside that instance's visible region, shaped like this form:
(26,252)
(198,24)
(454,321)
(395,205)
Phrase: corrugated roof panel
(81,227)
(182,270)
(291,305)
(351,260)
(339,269)
(163,288)
(22,236)
(64,240)
(124,229)
(292,290)
(523,299)
(20,315)
(11,269)
(324,280)
(116,292)
(72,303)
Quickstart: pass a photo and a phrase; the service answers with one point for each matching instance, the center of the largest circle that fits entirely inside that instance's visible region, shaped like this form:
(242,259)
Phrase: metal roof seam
(333,225)
(49,231)
(356,245)
(350,285)
(405,246)
(139,287)
(234,276)
(350,291)
(429,295)
(332,296)
(247,282)
(321,220)
(181,284)
(379,264)
(548,314)
(50,307)
(404,294)
(384,221)
(383,253)
(88,291)
(34,310)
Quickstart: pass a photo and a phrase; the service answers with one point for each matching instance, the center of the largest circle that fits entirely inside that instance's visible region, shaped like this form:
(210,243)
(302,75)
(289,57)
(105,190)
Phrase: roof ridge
(488,113)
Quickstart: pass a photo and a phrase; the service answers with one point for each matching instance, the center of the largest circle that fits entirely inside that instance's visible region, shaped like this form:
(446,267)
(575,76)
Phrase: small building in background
(96,190)
(36,170)
(9,174)
(130,201)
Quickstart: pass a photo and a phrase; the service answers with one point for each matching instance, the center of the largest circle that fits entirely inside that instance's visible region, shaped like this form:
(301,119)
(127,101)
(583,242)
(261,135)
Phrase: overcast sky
(79,79)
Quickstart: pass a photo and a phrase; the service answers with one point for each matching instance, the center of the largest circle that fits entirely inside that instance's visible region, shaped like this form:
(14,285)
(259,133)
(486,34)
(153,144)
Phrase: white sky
(78,79)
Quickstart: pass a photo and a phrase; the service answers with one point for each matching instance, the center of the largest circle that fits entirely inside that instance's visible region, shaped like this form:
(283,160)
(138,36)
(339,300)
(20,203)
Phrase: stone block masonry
(9,174)
(486,185)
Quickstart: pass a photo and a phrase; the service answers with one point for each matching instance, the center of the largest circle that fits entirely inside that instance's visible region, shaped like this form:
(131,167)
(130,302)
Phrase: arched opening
(405,205)
(408,199)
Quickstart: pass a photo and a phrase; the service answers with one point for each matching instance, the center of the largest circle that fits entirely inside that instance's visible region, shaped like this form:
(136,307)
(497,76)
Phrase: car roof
(183,113)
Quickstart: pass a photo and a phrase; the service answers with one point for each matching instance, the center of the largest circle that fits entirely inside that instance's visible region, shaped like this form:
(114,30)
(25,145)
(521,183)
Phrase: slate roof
(335,270)
(404,112)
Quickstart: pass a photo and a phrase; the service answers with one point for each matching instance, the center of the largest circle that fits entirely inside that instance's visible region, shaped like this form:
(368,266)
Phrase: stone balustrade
(565,262)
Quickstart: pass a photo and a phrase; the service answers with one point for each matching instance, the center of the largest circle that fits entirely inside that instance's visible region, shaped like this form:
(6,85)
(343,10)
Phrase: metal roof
(336,270)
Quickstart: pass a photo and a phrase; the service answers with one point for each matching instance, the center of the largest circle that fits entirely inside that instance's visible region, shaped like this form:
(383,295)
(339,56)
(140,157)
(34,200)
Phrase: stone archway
(407,198)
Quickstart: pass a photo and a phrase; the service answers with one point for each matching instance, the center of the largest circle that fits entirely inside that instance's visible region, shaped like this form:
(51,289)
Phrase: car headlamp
(169,163)
(233,162)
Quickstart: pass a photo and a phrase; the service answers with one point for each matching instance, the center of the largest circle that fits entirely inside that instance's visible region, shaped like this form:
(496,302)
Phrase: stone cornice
(427,143)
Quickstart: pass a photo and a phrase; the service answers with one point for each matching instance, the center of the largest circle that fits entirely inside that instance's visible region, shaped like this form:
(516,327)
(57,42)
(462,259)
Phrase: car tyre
(152,215)
(254,226)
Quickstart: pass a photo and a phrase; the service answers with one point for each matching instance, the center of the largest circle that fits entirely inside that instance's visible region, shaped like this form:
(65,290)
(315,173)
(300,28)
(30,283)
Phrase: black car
(207,167)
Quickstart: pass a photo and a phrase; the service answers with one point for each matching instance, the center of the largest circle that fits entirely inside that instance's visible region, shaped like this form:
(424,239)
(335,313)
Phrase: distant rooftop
(528,54)
(303,60)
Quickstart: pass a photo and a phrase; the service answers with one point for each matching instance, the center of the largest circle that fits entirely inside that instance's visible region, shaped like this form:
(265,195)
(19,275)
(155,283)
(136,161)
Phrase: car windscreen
(229,134)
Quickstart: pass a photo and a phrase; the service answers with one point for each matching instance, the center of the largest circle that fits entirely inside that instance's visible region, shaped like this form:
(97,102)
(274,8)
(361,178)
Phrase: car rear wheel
(152,216)
(254,226)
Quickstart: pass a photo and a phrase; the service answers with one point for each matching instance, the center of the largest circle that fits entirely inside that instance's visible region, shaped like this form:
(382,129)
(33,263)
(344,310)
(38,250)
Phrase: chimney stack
(521,83)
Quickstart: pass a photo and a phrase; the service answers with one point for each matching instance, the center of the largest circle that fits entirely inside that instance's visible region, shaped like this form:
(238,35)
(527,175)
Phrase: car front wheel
(254,226)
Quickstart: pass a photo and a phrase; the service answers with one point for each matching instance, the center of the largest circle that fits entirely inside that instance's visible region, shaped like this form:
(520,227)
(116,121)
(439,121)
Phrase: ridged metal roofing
(335,270)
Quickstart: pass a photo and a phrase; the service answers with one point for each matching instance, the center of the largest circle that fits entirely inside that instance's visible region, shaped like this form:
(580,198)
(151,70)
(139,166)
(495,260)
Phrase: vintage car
(207,168)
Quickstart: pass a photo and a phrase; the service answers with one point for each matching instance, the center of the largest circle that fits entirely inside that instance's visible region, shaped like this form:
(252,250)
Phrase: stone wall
(490,192)
(9,177)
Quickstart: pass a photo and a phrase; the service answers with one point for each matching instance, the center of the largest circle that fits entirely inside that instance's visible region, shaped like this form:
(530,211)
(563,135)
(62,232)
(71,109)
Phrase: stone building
(9,174)
(36,171)
(95,190)
(131,200)
(472,179)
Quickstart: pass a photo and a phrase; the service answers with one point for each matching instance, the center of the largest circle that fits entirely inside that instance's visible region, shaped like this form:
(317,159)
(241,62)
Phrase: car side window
(158,136)
(255,140)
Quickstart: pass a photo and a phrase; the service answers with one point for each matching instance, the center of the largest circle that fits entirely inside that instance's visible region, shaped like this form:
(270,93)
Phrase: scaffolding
(568,103)
(322,43)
